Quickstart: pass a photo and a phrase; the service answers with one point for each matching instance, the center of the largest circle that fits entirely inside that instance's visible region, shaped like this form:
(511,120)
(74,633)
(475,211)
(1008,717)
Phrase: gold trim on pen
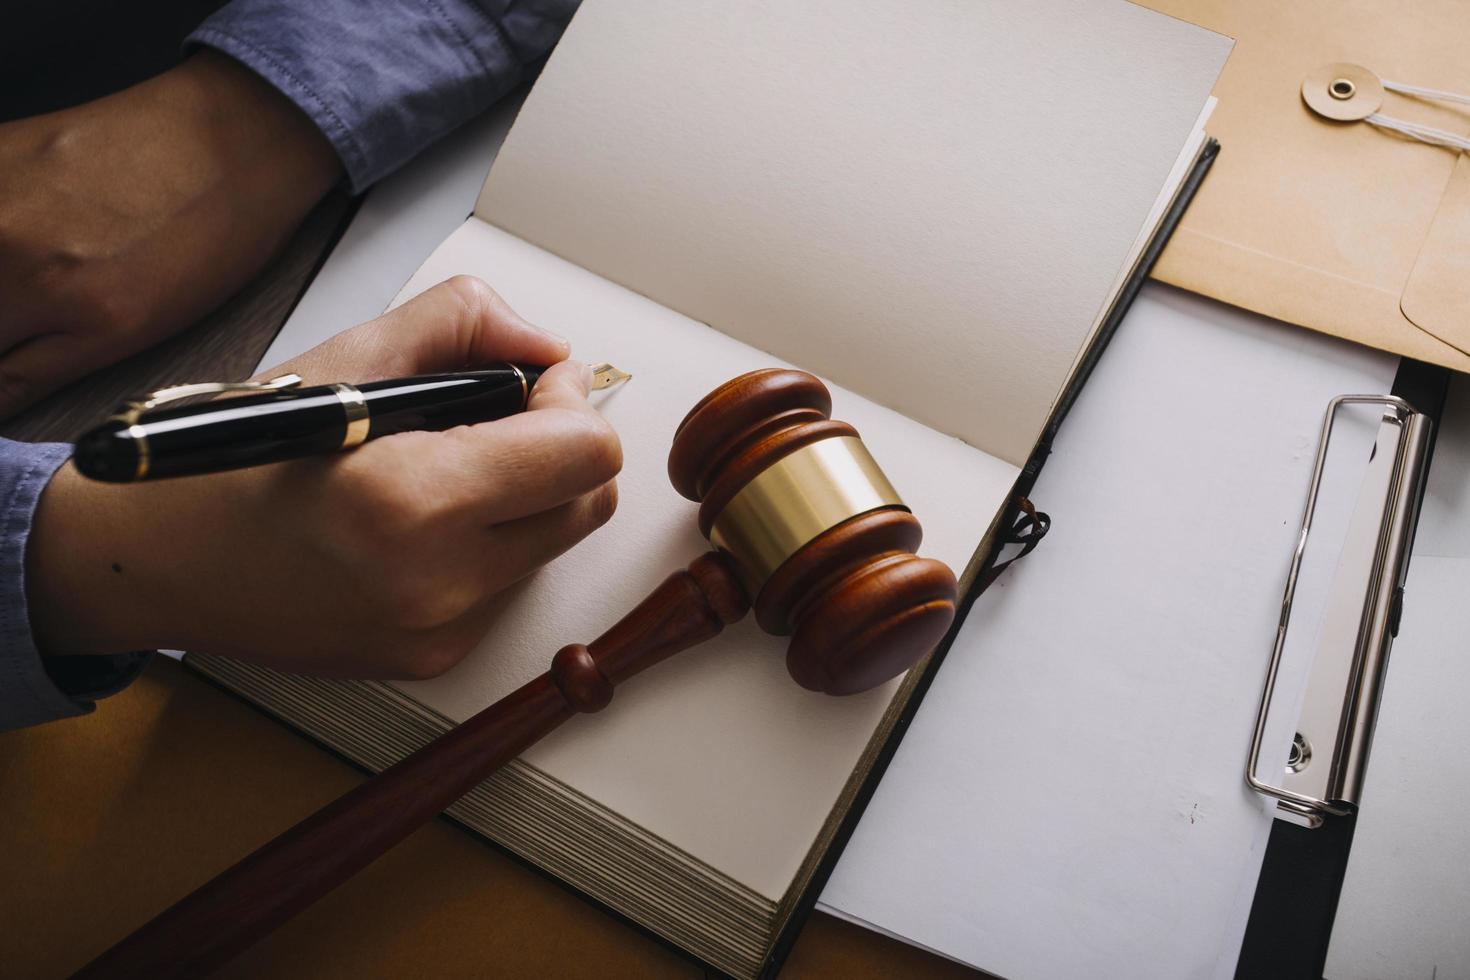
(525,387)
(355,410)
(795,499)
(139,435)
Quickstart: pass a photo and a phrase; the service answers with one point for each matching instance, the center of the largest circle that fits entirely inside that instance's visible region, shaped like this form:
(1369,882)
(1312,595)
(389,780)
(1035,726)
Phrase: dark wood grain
(108,818)
(226,345)
(239,907)
(235,910)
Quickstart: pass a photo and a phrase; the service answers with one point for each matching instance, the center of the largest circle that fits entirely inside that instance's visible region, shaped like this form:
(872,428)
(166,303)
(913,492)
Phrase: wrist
(129,217)
(85,590)
(272,152)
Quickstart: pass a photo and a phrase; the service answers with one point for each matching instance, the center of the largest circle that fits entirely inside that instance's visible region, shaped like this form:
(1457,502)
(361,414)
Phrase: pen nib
(605,376)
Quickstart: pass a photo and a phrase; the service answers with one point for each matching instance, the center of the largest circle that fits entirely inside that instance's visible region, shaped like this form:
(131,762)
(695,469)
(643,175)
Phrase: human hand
(125,219)
(377,562)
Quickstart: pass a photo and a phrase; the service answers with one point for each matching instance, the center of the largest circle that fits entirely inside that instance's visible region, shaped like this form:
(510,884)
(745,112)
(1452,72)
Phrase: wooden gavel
(807,529)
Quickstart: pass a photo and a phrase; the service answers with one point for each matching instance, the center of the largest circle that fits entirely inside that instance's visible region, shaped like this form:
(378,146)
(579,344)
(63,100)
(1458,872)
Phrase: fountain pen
(276,420)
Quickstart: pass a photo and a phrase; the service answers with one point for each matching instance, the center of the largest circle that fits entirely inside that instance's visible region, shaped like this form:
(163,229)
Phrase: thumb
(461,323)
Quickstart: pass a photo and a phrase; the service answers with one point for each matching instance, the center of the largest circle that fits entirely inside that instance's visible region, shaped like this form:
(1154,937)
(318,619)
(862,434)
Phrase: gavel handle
(266,889)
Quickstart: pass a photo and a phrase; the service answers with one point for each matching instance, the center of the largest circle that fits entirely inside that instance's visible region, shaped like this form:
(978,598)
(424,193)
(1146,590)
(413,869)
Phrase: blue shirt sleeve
(33,687)
(383,80)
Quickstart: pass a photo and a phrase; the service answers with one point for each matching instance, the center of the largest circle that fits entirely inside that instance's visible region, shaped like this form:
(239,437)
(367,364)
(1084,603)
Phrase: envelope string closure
(1347,93)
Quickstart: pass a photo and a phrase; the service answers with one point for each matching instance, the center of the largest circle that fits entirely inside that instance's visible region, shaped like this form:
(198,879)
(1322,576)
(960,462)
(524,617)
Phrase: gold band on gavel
(795,499)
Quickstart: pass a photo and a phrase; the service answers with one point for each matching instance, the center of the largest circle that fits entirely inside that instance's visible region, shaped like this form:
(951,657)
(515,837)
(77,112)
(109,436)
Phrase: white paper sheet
(925,201)
(1405,901)
(1070,799)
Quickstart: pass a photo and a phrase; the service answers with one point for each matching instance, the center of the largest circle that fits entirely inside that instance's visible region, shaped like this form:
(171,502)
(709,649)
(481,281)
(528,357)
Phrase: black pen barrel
(247,430)
(271,427)
(435,402)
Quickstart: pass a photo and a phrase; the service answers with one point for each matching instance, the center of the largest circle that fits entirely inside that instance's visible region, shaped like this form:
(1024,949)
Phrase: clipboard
(1295,900)
(1333,728)
(1335,226)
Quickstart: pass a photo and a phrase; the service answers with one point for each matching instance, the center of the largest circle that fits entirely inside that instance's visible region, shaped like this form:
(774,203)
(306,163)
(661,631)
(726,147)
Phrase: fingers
(547,456)
(563,386)
(462,323)
(495,472)
(525,545)
(462,613)
(516,550)
(459,324)
(471,477)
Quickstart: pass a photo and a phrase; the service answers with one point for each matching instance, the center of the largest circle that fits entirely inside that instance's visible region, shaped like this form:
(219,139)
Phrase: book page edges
(1188,157)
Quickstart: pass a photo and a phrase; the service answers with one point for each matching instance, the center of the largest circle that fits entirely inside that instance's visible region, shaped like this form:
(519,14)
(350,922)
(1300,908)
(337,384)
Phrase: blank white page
(926,200)
(717,750)
(1070,800)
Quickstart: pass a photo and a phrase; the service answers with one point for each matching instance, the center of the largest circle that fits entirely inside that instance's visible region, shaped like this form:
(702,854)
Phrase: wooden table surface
(108,819)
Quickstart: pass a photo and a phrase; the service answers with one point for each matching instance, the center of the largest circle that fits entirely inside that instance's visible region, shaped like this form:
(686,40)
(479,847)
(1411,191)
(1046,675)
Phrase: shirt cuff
(35,688)
(383,83)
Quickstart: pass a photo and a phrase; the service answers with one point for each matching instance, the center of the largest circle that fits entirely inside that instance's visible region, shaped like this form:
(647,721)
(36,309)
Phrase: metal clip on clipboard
(1324,768)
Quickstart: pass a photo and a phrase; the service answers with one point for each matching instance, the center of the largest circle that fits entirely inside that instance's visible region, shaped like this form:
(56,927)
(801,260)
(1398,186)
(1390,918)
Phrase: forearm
(256,164)
(220,169)
(124,220)
(93,566)
(34,687)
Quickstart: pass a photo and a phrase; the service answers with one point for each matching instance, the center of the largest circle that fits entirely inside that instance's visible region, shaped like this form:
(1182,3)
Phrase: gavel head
(820,540)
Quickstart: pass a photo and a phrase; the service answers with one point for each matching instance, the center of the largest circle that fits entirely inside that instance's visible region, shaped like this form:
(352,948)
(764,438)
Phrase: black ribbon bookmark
(1030,527)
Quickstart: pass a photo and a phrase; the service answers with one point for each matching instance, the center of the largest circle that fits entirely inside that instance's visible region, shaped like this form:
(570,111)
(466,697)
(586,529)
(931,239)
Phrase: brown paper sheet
(1339,227)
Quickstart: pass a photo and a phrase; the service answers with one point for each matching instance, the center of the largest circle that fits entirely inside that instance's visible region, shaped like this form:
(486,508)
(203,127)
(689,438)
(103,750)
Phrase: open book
(935,206)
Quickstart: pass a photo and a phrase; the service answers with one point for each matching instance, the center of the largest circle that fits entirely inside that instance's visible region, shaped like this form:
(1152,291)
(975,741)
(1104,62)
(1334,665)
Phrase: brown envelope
(1340,227)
